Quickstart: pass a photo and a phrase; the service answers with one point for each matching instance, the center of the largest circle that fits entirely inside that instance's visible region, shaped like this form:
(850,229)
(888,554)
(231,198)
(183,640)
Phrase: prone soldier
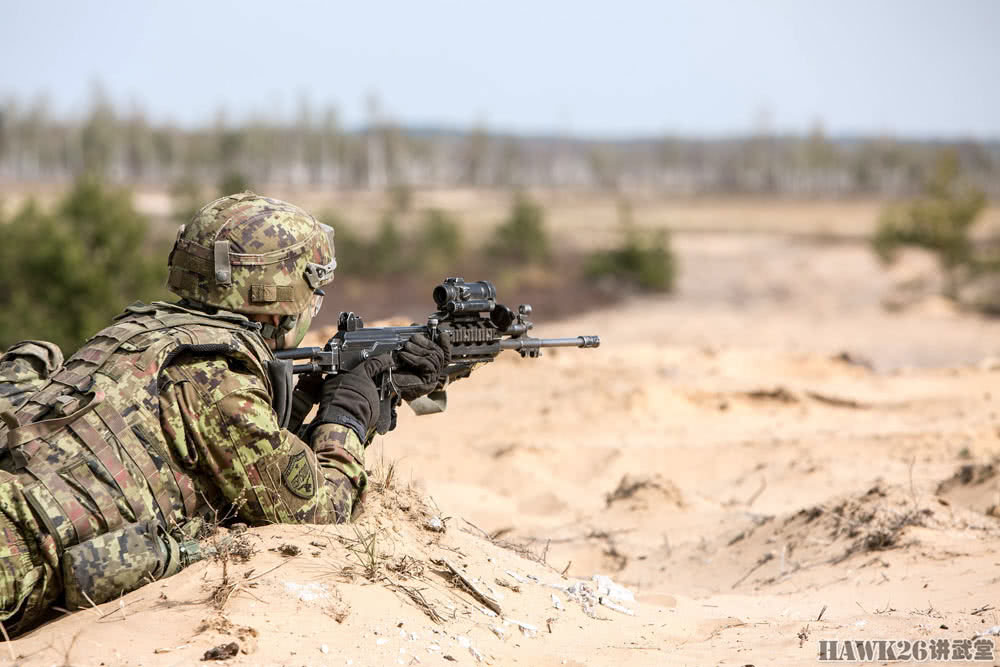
(114,460)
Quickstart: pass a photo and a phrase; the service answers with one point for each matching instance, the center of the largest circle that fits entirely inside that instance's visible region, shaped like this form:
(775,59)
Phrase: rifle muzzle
(525,343)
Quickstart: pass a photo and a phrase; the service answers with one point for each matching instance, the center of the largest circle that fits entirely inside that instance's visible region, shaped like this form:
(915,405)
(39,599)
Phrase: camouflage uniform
(165,419)
(24,369)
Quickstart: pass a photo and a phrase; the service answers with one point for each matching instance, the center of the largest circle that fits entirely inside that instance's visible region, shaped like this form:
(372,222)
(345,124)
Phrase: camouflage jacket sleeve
(24,368)
(217,418)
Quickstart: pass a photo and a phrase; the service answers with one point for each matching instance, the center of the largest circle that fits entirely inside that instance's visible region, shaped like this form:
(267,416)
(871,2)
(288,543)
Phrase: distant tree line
(315,150)
(66,270)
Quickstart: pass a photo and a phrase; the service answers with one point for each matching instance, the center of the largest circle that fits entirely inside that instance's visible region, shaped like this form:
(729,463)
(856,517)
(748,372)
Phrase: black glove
(351,398)
(419,364)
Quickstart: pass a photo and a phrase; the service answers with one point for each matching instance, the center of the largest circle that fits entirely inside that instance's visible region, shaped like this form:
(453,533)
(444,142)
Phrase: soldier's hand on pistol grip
(307,393)
(352,399)
(419,364)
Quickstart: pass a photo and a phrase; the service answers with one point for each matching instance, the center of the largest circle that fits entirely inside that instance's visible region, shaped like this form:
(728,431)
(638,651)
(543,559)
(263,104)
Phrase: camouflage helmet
(253,255)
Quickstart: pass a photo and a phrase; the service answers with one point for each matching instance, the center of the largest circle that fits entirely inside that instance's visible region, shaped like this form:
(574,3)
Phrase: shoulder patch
(298,476)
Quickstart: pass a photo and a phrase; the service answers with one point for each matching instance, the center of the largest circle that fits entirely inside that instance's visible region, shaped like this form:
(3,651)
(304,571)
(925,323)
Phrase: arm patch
(299,476)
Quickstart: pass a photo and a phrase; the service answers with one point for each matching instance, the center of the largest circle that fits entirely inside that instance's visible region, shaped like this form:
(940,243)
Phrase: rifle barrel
(297,353)
(525,343)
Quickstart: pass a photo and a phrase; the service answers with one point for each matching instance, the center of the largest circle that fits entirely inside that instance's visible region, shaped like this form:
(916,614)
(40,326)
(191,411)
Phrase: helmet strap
(285,324)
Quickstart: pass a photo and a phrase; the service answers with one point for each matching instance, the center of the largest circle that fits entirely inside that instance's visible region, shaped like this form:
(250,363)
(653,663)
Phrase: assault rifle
(468,313)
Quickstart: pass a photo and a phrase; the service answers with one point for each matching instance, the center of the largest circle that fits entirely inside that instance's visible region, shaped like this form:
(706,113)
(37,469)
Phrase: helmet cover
(253,255)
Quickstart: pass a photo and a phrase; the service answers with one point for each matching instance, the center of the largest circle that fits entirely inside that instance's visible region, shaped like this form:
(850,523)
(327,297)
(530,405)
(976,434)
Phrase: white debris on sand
(609,589)
(498,631)
(527,629)
(516,577)
(600,590)
(607,602)
(308,592)
(435,524)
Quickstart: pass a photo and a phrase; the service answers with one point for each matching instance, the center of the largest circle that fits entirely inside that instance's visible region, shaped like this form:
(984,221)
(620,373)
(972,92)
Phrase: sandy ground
(767,459)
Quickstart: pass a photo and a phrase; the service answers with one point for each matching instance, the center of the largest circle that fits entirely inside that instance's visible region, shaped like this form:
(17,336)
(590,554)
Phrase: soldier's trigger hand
(351,399)
(374,366)
(310,385)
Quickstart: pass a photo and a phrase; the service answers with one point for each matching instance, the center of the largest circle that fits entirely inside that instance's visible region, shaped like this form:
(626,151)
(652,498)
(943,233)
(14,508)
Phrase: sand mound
(640,492)
(403,585)
(975,486)
(846,530)
(872,521)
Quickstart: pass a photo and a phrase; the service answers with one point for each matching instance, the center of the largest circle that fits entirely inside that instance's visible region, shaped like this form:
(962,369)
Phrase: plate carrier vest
(88,446)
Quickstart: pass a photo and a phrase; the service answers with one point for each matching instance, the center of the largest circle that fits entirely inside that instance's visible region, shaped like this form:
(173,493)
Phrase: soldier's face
(302,323)
(295,336)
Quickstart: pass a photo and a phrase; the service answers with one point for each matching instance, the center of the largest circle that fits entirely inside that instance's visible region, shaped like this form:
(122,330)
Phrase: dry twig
(417,597)
(476,592)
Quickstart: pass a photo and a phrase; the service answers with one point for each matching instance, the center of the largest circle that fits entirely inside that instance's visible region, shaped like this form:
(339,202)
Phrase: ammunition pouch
(112,564)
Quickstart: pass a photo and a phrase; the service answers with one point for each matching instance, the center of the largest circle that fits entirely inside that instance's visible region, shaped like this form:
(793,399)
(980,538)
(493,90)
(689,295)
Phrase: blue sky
(904,67)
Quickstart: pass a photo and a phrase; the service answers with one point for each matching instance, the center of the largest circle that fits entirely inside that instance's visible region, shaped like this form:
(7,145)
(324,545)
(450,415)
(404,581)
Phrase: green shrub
(386,254)
(65,274)
(643,259)
(434,248)
(186,200)
(400,197)
(233,182)
(439,244)
(522,238)
(939,220)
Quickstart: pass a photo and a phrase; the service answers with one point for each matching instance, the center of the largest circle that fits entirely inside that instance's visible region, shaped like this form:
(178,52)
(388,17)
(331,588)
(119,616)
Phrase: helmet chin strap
(277,333)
